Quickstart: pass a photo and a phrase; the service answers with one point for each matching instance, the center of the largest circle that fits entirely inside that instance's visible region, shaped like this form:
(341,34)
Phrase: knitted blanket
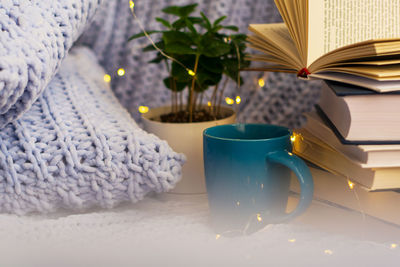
(77,147)
(35,35)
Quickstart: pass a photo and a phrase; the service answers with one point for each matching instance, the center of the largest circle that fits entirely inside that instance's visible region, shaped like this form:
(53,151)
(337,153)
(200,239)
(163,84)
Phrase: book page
(337,23)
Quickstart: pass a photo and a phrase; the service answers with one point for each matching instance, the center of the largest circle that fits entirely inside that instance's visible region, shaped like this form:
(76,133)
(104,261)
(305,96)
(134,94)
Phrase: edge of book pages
(378,86)
(326,157)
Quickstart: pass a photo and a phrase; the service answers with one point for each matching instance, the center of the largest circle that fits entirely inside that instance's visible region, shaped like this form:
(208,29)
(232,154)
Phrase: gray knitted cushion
(35,35)
(77,147)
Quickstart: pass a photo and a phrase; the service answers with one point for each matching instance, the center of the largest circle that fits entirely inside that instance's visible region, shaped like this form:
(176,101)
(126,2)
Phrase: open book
(356,41)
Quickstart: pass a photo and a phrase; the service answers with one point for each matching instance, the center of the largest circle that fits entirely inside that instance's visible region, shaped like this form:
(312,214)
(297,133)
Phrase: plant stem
(181,101)
(221,95)
(191,93)
(214,100)
(200,101)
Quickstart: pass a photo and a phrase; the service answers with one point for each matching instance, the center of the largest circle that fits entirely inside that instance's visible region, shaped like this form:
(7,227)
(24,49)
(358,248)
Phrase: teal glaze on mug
(247,169)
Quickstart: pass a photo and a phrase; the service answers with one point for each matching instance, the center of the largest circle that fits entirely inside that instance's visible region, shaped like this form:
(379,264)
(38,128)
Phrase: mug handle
(304,176)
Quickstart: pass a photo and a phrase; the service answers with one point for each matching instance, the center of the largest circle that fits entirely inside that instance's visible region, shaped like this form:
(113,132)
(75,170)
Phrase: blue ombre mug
(247,169)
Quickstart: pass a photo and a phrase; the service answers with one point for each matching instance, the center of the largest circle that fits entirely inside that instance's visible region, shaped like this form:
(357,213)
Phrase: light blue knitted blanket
(35,35)
(77,148)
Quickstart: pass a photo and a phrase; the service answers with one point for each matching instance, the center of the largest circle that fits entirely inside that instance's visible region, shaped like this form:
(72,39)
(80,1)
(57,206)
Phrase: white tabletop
(173,230)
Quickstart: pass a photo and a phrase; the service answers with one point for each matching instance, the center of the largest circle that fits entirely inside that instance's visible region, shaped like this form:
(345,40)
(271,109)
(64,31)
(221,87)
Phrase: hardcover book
(359,115)
(356,42)
(369,156)
(326,157)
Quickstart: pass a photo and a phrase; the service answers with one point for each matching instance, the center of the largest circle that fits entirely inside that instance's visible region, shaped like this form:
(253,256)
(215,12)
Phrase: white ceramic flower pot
(186,138)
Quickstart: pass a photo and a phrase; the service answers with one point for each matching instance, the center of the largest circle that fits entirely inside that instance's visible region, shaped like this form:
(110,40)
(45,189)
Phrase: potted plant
(198,55)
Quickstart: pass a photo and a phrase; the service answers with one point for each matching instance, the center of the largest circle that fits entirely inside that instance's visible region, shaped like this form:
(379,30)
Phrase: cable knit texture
(35,35)
(77,147)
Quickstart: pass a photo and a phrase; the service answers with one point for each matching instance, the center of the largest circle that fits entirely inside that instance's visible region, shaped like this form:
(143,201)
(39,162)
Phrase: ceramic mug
(247,169)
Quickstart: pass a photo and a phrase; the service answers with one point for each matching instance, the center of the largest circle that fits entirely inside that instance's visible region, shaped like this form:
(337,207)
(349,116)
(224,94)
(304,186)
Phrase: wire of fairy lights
(132,7)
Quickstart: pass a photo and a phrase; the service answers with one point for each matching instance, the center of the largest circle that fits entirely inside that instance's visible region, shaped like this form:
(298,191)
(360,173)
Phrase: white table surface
(173,230)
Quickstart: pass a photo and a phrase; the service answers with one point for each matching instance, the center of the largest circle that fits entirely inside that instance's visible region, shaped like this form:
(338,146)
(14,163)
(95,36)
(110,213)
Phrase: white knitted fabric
(77,147)
(35,35)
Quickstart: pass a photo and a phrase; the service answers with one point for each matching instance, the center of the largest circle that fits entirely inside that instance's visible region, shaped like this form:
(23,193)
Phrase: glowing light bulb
(191,73)
(143,109)
(261,82)
(131,5)
(217,237)
(238,100)
(229,101)
(290,154)
(121,72)
(393,246)
(293,138)
(259,218)
(209,103)
(328,252)
(238,203)
(292,240)
(107,78)
(351,184)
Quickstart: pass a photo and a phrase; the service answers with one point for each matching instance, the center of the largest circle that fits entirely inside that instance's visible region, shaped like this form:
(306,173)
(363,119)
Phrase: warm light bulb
(229,101)
(293,138)
(217,237)
(393,246)
(191,73)
(121,72)
(143,109)
(238,100)
(107,78)
(209,103)
(351,184)
(292,240)
(261,82)
(259,218)
(328,252)
(131,5)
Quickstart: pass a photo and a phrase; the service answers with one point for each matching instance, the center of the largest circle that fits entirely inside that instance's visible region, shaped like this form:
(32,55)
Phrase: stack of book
(354,133)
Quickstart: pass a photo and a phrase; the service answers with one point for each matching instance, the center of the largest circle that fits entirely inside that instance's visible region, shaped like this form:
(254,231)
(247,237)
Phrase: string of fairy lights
(261,82)
(144,109)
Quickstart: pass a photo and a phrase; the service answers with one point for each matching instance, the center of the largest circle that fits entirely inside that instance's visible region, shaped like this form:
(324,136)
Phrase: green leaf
(173,84)
(206,79)
(179,49)
(214,47)
(157,59)
(180,11)
(164,22)
(213,65)
(177,37)
(207,22)
(141,34)
(189,24)
(180,73)
(231,28)
(181,23)
(152,48)
(218,21)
